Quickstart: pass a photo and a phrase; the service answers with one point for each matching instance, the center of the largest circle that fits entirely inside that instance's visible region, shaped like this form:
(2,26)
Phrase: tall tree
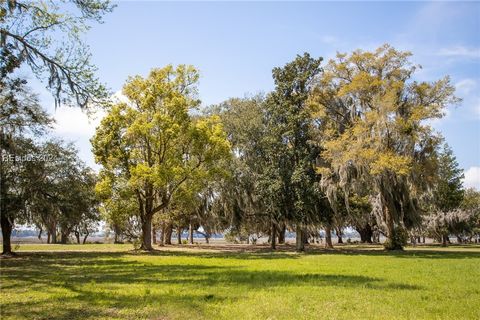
(447,196)
(154,144)
(237,203)
(448,192)
(21,119)
(375,133)
(288,177)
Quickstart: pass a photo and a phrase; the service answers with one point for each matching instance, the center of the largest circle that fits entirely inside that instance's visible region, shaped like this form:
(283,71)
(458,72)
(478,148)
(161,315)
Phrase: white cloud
(74,121)
(118,96)
(460,52)
(465,86)
(77,123)
(472,178)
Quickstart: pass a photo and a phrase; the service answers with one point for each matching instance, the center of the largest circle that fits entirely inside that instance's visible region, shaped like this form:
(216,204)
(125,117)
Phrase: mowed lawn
(112,282)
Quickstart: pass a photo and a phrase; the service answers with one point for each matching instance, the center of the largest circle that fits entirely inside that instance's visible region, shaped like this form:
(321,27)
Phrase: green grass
(110,282)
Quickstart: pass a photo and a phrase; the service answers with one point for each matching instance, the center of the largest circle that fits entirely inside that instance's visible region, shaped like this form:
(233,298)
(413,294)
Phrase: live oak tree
(21,119)
(374,117)
(153,143)
(28,33)
(62,198)
(471,204)
(238,205)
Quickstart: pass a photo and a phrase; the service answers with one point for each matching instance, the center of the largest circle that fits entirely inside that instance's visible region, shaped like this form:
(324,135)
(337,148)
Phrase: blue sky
(235,45)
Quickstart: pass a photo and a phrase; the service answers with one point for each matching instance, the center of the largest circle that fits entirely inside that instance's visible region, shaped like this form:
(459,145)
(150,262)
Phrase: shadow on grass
(100,284)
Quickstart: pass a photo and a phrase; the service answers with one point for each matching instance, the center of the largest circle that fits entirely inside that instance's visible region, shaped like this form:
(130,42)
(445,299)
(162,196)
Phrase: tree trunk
(162,234)
(117,232)
(413,240)
(147,232)
(393,240)
(77,235)
(328,237)
(444,240)
(154,235)
(281,234)
(339,235)
(7,227)
(48,237)
(85,238)
(366,234)
(179,235)
(53,232)
(423,240)
(190,233)
(40,234)
(273,236)
(168,234)
(299,238)
(64,237)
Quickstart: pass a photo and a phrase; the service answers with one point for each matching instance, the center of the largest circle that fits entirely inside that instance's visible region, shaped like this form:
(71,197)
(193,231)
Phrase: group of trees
(43,182)
(344,144)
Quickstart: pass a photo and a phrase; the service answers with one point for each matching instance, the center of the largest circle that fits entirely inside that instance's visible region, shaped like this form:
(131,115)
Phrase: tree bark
(168,234)
(147,232)
(7,227)
(64,237)
(281,234)
(366,233)
(339,235)
(53,232)
(190,233)
(85,238)
(77,235)
(117,232)
(299,238)
(444,240)
(392,233)
(273,236)
(48,237)
(328,237)
(179,235)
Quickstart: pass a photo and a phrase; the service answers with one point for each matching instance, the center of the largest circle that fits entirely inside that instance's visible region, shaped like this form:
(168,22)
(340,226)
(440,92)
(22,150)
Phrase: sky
(235,45)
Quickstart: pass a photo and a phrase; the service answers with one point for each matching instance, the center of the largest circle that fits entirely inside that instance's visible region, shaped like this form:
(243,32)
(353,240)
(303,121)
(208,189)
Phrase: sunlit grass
(111,282)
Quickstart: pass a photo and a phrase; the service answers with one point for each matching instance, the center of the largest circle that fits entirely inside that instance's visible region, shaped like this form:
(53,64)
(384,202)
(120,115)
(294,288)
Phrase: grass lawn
(111,282)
